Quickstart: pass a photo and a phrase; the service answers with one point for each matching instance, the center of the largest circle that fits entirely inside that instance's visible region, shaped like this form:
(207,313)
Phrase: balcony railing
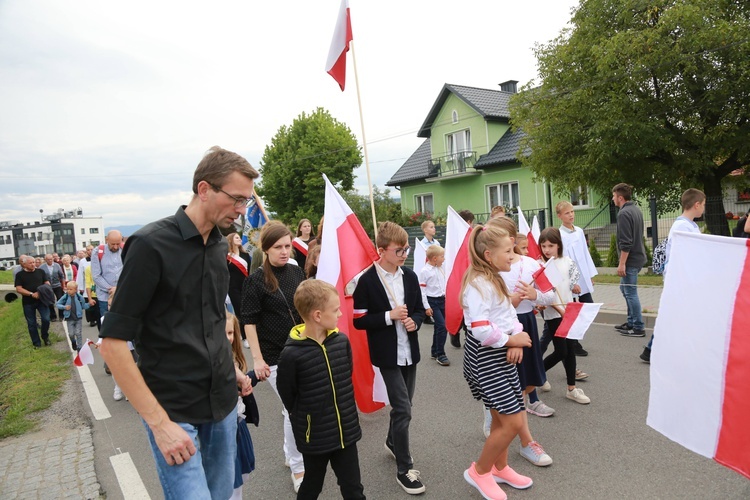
(453,164)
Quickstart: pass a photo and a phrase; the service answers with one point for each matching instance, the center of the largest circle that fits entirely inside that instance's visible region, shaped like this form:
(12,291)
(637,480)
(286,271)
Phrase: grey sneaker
(624,327)
(535,454)
(540,409)
(578,396)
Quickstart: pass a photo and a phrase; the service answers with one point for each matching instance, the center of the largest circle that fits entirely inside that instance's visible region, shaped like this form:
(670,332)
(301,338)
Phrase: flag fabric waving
(420,256)
(456,263)
(255,218)
(342,35)
(577,319)
(536,231)
(84,356)
(547,277)
(523,228)
(346,253)
(699,359)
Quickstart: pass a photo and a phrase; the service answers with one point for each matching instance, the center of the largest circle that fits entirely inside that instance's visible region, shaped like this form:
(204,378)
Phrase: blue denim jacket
(65,300)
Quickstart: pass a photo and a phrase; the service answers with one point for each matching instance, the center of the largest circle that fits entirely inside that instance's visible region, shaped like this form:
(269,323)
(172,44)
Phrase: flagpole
(260,206)
(364,140)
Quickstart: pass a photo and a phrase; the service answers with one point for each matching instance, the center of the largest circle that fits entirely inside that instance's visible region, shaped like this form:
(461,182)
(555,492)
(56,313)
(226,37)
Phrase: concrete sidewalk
(614,310)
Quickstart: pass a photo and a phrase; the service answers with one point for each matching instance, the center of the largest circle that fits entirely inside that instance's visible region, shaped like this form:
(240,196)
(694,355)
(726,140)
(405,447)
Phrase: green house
(468,160)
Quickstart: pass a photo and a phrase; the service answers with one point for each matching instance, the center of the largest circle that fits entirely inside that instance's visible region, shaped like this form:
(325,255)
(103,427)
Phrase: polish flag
(456,264)
(535,229)
(84,356)
(342,35)
(700,362)
(420,256)
(547,277)
(523,228)
(577,320)
(347,252)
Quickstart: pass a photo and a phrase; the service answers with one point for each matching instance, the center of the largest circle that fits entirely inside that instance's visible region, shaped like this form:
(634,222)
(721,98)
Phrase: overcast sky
(109,106)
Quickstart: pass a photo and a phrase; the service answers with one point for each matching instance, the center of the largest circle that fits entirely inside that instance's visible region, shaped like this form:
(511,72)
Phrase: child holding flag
(551,245)
(493,346)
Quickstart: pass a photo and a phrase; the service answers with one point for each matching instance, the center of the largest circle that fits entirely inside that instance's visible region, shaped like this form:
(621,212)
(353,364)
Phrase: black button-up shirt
(170,302)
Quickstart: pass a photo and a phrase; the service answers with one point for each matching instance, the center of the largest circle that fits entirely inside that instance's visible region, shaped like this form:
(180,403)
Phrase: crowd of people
(174,341)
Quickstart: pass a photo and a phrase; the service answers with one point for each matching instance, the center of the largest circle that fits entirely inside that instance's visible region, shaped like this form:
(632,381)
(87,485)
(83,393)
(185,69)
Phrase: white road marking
(130,481)
(98,408)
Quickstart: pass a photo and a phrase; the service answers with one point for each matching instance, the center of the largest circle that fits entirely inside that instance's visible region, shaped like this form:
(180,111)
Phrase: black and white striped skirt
(491,378)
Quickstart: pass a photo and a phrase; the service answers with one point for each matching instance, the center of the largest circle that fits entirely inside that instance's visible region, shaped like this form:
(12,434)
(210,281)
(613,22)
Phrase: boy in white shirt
(693,203)
(432,285)
(575,247)
(428,228)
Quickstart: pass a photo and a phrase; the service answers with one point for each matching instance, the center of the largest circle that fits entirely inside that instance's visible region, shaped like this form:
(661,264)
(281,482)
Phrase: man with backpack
(106,266)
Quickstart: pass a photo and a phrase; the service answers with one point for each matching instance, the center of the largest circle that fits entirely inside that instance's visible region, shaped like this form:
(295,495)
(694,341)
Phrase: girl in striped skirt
(493,347)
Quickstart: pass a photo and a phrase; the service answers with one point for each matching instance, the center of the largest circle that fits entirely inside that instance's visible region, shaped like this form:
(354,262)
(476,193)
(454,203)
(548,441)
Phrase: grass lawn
(30,379)
(643,279)
(6,277)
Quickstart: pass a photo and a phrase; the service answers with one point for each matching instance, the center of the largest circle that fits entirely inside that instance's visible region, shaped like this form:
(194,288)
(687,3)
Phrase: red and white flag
(700,360)
(420,256)
(535,230)
(84,356)
(577,320)
(346,253)
(456,263)
(342,35)
(547,277)
(523,228)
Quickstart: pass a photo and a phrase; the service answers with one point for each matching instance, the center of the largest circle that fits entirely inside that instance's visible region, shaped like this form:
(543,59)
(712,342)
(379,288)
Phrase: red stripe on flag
(541,280)
(733,447)
(534,251)
(571,314)
(298,246)
(360,253)
(453,311)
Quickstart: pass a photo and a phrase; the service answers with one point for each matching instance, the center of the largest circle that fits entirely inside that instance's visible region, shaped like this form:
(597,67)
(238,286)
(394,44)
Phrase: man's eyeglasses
(238,200)
(401,252)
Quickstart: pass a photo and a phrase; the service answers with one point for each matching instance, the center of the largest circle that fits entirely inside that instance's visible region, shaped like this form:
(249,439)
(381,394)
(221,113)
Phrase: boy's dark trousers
(345,464)
(437,304)
(400,382)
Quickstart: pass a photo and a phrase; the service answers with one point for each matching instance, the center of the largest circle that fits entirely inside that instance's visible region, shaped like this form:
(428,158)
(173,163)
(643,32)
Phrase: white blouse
(522,270)
(491,318)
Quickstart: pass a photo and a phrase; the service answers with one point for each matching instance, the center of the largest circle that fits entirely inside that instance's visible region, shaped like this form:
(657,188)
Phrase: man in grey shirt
(106,266)
(56,278)
(632,257)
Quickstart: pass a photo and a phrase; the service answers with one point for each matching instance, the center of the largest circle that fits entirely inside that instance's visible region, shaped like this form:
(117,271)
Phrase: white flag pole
(364,140)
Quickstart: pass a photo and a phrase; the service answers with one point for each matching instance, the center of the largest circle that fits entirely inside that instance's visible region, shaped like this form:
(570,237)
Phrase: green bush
(613,257)
(595,256)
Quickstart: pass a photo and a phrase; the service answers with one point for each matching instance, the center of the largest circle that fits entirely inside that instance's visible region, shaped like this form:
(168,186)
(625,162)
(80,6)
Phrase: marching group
(192,386)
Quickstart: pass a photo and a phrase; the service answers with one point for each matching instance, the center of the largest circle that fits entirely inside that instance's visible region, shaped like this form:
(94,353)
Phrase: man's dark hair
(218,164)
(467,216)
(624,190)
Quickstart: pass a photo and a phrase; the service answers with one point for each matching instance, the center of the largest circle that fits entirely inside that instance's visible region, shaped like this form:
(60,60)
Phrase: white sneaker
(546,387)
(246,344)
(578,396)
(297,482)
(118,395)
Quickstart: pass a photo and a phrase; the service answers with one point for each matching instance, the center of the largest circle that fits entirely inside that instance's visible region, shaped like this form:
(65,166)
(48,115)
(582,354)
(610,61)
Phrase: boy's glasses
(401,252)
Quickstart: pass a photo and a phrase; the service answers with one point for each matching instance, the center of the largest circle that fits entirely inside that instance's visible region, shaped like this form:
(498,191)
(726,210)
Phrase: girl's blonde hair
(237,354)
(484,238)
(520,238)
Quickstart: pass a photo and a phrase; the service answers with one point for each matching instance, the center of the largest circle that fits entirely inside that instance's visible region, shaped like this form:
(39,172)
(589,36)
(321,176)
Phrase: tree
(655,93)
(291,167)
(386,208)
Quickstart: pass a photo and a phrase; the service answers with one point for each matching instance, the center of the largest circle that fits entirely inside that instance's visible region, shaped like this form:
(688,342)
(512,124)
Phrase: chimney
(509,86)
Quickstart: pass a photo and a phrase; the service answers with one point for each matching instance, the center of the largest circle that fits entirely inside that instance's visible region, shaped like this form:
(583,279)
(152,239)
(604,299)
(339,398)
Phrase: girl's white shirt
(522,270)
(482,303)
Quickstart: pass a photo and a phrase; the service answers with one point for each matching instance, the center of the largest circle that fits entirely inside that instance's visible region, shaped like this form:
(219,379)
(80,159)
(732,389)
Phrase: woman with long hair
(238,262)
(269,315)
(301,242)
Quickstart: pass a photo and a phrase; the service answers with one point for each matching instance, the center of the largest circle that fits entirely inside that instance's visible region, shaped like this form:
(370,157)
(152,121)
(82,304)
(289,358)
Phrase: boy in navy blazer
(388,306)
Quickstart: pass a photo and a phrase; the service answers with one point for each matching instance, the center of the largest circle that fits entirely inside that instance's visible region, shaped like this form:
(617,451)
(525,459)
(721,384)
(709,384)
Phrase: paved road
(603,450)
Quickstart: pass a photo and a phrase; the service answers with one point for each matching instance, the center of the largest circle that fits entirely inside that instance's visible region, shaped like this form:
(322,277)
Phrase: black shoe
(75,346)
(92,323)
(410,482)
(443,360)
(579,350)
(456,341)
(646,355)
(634,333)
(47,342)
(37,346)
(106,369)
(428,321)
(624,327)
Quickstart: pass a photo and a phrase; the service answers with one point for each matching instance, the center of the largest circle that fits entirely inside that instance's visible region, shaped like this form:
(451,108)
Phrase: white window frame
(419,203)
(580,198)
(500,195)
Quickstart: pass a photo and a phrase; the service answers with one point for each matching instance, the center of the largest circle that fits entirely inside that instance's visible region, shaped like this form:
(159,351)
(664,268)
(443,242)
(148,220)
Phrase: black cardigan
(370,296)
(315,384)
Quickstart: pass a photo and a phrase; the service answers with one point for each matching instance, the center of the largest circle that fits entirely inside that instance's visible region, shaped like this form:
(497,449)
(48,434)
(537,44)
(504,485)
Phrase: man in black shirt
(170,303)
(27,282)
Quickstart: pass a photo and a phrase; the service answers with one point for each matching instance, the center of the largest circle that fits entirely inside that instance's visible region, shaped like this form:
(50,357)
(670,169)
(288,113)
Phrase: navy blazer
(370,296)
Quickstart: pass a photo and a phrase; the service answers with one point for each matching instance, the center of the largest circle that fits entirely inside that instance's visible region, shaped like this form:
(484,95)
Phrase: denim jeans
(75,331)
(440,333)
(29,311)
(210,472)
(629,289)
(399,383)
